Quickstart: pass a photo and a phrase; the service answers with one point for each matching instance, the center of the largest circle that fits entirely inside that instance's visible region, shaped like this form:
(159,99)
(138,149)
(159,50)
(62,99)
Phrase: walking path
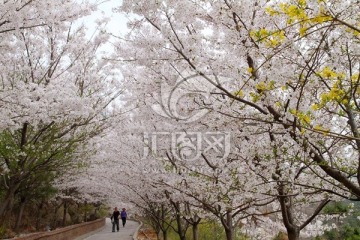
(125,233)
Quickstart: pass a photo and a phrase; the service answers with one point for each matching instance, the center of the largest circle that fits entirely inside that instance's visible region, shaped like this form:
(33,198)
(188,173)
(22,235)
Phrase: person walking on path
(115,219)
(123,216)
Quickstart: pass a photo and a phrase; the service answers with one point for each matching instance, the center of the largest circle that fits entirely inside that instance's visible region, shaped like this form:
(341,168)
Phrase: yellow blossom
(271,11)
(292,111)
(254,97)
(302,3)
(239,93)
(306,119)
(263,32)
(261,86)
(355,77)
(302,31)
(315,107)
(318,127)
(327,72)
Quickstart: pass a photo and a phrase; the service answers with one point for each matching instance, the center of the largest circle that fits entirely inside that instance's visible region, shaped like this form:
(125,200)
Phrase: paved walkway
(125,233)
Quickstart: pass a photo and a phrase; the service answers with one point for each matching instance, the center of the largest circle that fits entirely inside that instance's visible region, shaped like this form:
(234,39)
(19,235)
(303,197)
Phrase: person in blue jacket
(123,216)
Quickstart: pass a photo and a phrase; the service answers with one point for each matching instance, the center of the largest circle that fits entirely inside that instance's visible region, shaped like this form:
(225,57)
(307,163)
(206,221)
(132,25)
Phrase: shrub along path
(125,233)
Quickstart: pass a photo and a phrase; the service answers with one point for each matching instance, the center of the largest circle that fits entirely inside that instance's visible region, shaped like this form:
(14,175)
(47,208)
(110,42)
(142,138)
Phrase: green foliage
(91,211)
(103,211)
(29,151)
(346,232)
(2,232)
(6,233)
(280,236)
(32,157)
(336,208)
(349,228)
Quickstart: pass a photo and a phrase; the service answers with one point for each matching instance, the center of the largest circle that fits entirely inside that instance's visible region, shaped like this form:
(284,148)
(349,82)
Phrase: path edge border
(137,229)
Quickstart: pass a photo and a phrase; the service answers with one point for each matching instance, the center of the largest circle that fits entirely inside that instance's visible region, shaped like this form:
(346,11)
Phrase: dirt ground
(146,233)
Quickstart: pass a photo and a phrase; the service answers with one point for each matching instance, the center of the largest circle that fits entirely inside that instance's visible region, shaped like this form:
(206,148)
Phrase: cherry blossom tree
(29,14)
(286,68)
(55,93)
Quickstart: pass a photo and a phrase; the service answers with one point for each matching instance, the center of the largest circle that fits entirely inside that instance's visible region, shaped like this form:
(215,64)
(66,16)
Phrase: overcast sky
(117,25)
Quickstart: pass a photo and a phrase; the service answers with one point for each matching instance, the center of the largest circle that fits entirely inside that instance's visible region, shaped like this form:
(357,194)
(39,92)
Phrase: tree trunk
(158,235)
(163,227)
(5,206)
(229,226)
(20,214)
(293,233)
(180,224)
(55,218)
(85,216)
(38,216)
(195,231)
(229,234)
(164,233)
(64,214)
(155,224)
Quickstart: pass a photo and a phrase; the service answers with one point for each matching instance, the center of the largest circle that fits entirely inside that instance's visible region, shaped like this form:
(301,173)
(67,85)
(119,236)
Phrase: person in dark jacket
(115,219)
(123,216)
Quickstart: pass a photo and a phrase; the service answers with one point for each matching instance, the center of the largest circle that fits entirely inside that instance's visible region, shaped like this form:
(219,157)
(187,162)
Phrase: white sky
(117,24)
